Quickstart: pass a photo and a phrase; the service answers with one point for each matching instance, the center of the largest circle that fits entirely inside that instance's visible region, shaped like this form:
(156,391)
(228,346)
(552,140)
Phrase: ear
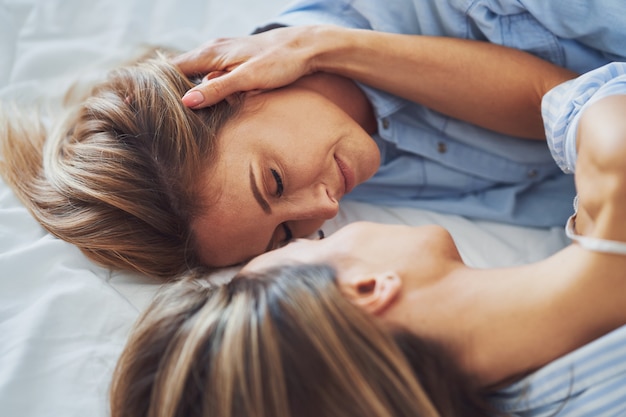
(374,293)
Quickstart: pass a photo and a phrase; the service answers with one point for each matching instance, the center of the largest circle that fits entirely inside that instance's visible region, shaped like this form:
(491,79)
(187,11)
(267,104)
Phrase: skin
(364,252)
(514,319)
(500,88)
(301,167)
(600,169)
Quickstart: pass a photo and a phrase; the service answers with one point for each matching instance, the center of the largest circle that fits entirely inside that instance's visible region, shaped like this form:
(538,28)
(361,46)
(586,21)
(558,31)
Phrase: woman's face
(282,166)
(418,255)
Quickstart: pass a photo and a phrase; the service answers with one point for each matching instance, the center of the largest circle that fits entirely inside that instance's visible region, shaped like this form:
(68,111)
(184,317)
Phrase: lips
(347,174)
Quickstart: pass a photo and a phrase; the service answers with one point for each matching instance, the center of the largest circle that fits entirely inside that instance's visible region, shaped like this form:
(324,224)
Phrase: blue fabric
(564,104)
(438,163)
(588,382)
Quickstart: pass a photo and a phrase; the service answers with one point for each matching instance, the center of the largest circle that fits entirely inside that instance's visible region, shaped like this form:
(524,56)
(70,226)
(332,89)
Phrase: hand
(258,62)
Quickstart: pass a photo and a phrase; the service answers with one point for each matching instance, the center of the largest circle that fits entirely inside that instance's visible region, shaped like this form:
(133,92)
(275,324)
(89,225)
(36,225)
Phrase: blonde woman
(132,169)
(120,173)
(281,343)
(382,320)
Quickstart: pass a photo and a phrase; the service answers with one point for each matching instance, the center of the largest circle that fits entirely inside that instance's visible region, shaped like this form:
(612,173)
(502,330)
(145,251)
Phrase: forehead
(302,251)
(350,246)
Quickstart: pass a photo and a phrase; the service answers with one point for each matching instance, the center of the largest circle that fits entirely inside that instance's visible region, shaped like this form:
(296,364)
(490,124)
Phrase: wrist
(329,49)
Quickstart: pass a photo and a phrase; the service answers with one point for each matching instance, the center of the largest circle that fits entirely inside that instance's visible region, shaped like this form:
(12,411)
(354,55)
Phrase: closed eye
(287,238)
(288,233)
(279,182)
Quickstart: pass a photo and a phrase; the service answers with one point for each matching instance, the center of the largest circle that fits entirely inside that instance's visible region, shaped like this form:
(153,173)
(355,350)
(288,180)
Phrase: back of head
(119,177)
(282,344)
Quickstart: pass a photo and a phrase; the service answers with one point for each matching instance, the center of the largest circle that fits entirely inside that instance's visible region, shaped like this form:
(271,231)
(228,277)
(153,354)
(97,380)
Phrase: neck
(345,94)
(499,324)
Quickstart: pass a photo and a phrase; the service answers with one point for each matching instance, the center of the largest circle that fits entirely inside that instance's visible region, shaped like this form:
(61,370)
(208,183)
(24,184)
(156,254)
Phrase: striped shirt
(563,105)
(590,381)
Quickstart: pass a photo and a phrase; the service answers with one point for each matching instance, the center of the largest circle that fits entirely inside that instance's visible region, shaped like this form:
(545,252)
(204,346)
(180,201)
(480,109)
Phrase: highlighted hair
(284,343)
(119,176)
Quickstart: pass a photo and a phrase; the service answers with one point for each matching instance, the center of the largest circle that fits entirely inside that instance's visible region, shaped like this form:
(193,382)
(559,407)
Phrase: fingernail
(193,98)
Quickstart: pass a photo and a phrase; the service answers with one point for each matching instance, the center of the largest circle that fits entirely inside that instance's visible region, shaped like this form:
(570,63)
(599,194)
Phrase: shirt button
(442,147)
(385,123)
(532,173)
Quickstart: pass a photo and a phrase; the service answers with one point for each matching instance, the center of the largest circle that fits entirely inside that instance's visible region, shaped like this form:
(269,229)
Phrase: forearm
(489,85)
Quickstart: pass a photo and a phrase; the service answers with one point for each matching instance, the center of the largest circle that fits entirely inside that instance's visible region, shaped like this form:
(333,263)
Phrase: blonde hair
(284,343)
(119,176)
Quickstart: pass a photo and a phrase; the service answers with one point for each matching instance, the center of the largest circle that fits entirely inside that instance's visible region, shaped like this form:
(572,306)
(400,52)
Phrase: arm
(518,319)
(600,169)
(492,86)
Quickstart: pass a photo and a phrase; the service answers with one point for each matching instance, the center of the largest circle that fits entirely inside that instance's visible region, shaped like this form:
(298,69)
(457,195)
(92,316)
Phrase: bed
(64,319)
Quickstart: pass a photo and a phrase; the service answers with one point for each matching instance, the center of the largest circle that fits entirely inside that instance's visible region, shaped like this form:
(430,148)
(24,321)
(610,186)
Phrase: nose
(313,203)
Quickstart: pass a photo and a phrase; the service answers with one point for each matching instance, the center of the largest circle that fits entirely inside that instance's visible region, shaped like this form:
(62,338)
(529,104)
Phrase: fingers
(216,86)
(234,65)
(208,92)
(194,99)
(212,74)
(189,63)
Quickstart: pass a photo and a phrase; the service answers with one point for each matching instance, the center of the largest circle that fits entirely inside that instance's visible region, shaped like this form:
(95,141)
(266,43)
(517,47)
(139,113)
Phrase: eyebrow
(257,194)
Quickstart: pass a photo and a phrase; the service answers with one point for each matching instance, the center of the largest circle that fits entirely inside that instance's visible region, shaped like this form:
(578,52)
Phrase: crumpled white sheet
(64,320)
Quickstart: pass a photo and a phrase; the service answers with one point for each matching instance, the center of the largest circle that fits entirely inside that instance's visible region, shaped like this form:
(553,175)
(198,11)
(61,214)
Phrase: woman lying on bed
(132,168)
(383,320)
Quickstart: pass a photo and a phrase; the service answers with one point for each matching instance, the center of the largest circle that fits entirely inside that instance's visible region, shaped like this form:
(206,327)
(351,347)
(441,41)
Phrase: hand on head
(259,62)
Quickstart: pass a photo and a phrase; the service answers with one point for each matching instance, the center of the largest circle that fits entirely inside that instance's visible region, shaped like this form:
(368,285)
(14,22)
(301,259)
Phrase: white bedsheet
(64,320)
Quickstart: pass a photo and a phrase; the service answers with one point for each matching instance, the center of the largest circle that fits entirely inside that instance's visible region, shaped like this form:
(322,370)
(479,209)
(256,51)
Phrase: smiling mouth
(347,174)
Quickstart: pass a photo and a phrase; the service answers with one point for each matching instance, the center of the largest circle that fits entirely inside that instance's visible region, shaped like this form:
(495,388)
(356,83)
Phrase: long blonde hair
(284,343)
(118,177)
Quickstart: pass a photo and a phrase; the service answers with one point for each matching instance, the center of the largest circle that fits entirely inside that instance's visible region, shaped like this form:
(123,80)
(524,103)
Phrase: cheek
(372,160)
(360,151)
(368,152)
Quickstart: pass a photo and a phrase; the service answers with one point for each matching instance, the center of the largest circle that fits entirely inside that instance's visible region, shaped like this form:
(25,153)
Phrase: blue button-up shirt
(434,162)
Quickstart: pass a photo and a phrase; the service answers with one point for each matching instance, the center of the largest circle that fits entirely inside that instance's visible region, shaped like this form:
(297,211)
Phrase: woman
(253,348)
(119,173)
(256,345)
(129,171)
